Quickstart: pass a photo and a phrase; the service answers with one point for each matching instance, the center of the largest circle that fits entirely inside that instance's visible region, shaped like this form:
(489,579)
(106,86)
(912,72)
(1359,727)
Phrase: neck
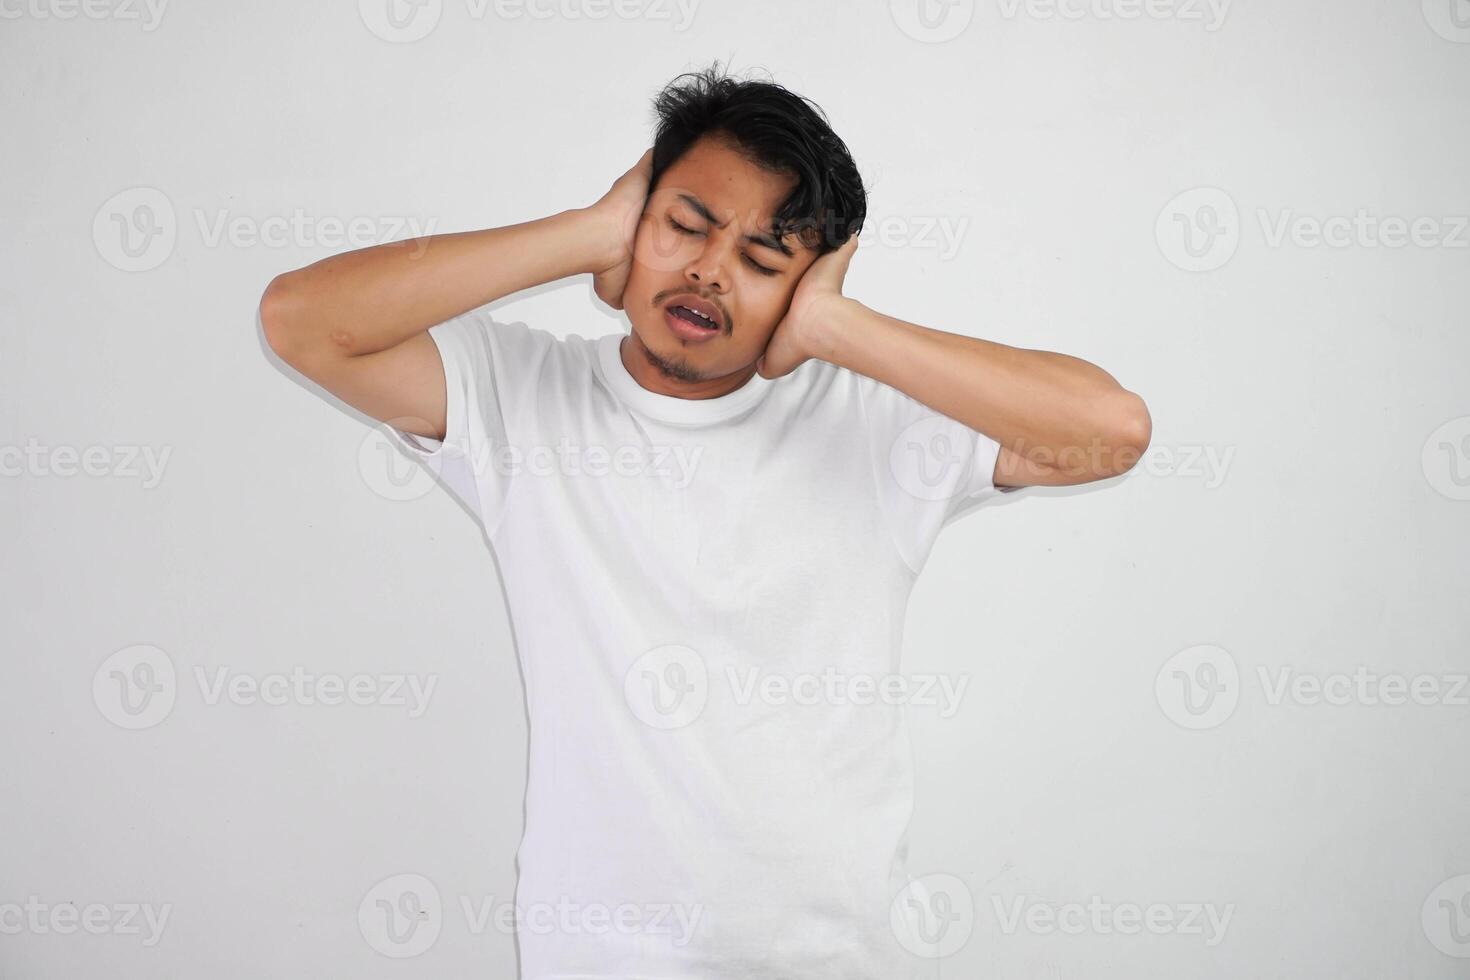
(674,377)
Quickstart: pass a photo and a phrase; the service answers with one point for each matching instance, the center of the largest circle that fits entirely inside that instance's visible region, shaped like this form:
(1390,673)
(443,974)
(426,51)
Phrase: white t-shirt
(708,599)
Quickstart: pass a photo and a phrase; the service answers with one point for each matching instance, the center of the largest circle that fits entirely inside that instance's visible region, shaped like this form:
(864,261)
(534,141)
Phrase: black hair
(778,130)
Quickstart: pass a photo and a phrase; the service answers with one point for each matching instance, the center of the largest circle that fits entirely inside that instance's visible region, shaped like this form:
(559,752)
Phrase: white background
(1328,536)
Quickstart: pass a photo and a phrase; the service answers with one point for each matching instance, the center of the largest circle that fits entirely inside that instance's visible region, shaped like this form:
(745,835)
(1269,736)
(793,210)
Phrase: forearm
(1051,408)
(374,298)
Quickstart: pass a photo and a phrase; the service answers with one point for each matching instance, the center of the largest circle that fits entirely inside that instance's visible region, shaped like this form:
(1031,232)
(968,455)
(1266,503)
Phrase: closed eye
(753,263)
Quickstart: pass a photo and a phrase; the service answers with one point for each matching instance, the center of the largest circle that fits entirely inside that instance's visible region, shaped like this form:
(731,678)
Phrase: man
(708,584)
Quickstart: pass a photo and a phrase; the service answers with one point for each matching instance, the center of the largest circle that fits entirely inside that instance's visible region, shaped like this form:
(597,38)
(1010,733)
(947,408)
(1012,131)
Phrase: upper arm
(1013,471)
(402,385)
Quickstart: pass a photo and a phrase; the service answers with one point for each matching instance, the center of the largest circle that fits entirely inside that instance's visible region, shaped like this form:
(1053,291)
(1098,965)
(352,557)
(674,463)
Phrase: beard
(675,368)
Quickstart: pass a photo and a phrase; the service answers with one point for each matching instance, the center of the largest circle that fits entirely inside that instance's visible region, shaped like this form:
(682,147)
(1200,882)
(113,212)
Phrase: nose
(706,269)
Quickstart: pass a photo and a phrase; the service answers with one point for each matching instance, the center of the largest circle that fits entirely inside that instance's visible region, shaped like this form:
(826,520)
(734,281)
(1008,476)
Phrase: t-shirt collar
(669,408)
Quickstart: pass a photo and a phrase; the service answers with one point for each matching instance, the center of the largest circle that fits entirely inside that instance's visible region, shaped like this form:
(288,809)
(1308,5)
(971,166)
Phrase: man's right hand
(617,215)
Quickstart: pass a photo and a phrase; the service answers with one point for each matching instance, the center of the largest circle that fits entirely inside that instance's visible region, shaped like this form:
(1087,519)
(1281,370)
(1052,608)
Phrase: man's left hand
(817,294)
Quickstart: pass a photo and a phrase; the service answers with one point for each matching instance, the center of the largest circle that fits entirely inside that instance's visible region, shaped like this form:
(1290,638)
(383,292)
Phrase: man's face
(704,239)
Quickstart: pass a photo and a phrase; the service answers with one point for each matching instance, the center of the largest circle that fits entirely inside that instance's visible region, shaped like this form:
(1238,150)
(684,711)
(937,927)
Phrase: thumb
(845,253)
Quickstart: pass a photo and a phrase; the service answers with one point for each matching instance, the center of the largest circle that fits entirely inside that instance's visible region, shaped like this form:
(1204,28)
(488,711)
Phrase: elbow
(1132,433)
(276,320)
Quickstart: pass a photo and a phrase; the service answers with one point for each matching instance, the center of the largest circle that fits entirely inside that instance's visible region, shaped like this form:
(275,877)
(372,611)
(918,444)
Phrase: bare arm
(357,323)
(1060,420)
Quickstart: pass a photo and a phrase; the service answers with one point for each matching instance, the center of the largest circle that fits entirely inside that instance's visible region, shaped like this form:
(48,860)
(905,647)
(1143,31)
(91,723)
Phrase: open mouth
(693,316)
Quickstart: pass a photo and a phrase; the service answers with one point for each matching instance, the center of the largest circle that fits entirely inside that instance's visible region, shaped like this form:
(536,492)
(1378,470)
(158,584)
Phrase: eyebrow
(761,238)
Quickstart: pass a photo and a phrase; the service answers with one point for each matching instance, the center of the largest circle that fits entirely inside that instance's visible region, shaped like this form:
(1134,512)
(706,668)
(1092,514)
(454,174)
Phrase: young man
(709,529)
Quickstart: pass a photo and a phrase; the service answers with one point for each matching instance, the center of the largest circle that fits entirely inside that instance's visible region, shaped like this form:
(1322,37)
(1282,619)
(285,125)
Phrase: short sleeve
(488,374)
(930,469)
